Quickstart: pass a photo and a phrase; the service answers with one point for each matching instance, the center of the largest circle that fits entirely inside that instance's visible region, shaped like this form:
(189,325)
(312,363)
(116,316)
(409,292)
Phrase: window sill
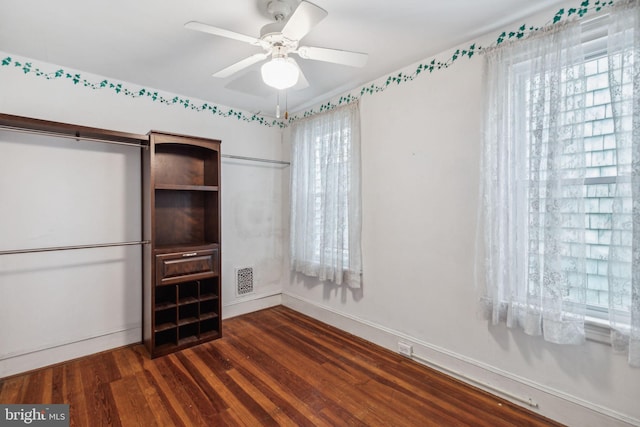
(597,330)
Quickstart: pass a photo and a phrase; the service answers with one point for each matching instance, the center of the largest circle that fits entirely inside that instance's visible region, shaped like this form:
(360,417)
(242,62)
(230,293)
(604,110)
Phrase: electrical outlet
(405,349)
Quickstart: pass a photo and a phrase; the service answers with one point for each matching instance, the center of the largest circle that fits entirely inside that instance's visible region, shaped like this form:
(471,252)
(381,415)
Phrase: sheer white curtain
(538,220)
(325,196)
(624,252)
(533,166)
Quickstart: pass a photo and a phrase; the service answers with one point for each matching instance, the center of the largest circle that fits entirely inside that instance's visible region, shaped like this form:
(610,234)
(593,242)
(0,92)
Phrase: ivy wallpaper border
(119,88)
(156,96)
(562,14)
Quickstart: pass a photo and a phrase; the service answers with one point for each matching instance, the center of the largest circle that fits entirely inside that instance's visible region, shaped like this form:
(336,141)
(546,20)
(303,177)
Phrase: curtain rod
(76,137)
(255,159)
(66,248)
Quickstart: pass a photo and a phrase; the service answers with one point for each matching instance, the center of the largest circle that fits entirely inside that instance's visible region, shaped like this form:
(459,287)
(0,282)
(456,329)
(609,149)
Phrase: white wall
(420,159)
(60,305)
(54,192)
(420,150)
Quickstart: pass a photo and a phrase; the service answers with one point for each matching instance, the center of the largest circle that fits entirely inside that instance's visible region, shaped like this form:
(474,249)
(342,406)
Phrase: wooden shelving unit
(181,208)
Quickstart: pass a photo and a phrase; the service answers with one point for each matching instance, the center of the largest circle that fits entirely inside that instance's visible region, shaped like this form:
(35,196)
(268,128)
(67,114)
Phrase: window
(590,176)
(600,184)
(325,196)
(561,152)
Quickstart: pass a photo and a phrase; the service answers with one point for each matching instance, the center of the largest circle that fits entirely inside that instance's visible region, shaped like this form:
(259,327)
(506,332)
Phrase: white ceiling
(144,41)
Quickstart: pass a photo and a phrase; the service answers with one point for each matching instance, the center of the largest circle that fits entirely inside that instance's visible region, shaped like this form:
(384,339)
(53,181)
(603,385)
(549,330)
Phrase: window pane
(586,202)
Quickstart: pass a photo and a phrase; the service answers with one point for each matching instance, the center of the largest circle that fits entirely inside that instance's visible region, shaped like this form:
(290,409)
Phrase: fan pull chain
(286,106)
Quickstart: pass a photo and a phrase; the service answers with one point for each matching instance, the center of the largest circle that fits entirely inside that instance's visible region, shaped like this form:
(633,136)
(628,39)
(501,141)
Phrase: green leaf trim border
(153,95)
(434,65)
(583,9)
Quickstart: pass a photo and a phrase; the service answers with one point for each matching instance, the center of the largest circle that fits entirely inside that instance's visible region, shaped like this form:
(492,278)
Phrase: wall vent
(244,281)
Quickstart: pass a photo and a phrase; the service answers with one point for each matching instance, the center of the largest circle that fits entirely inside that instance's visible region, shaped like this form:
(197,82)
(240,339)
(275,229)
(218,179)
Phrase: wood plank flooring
(274,367)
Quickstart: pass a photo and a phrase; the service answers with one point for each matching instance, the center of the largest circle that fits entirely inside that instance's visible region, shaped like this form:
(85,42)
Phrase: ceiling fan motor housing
(279,9)
(271,29)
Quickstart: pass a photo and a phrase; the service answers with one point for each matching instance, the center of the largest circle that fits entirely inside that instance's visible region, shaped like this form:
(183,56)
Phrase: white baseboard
(538,398)
(50,356)
(546,401)
(42,357)
(257,302)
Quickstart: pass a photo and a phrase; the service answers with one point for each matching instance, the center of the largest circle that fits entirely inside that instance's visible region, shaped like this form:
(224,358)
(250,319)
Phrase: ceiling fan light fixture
(280,73)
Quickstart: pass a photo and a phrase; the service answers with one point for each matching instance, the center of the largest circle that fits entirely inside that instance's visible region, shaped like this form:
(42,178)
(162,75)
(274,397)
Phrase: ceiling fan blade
(241,65)
(302,20)
(210,29)
(303,83)
(250,83)
(344,57)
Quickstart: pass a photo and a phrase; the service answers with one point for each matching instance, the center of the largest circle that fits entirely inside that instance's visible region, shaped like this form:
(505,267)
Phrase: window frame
(594,43)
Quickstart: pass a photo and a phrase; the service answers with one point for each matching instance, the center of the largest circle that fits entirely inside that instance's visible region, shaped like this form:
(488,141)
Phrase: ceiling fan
(280,39)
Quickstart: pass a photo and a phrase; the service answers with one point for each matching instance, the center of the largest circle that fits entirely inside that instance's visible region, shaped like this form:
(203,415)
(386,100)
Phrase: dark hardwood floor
(272,367)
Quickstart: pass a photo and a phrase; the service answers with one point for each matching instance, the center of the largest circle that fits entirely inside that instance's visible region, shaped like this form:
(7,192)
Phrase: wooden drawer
(183,266)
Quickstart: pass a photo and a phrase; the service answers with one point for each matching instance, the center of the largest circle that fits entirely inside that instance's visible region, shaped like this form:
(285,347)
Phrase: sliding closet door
(61,304)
